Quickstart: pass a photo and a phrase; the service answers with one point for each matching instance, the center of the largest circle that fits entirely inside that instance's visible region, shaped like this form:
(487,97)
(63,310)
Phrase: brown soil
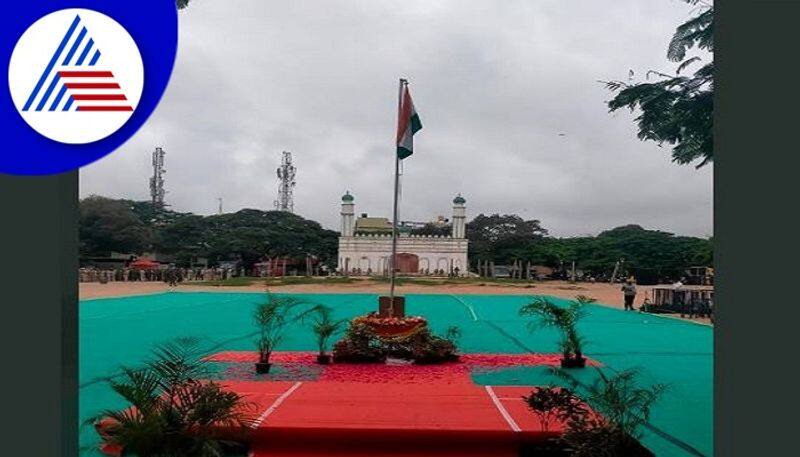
(606,294)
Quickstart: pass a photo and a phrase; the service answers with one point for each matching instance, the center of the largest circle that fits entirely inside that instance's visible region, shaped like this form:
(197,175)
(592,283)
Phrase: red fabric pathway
(390,410)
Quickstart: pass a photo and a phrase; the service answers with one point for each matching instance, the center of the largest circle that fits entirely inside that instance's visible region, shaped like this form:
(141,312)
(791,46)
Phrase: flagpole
(395,216)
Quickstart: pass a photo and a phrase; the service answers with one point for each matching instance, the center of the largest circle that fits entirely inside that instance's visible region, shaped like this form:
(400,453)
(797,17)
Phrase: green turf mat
(117,331)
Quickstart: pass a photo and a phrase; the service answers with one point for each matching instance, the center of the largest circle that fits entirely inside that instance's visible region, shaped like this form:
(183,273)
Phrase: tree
(251,234)
(661,253)
(502,238)
(431,229)
(172,411)
(247,235)
(677,110)
(107,225)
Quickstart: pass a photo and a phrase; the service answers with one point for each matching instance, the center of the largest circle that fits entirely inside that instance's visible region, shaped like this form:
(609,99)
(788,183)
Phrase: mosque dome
(459,200)
(347,197)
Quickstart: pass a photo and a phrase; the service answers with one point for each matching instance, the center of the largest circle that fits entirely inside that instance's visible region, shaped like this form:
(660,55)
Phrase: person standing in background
(629,294)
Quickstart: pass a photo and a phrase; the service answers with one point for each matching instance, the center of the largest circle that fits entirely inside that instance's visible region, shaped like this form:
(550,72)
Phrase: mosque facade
(369,253)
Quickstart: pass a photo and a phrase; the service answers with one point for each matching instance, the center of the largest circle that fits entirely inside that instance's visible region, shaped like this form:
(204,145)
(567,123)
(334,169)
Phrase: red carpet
(390,410)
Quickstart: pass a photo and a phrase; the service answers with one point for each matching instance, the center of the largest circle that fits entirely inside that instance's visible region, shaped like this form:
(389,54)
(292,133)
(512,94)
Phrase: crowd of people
(171,275)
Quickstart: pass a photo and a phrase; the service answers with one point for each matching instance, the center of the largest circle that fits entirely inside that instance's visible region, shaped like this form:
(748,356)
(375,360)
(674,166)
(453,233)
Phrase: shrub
(620,408)
(359,345)
(171,411)
(554,403)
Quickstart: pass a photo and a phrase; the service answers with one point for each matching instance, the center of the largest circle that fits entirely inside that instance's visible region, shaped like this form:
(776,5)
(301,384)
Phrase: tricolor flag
(408,123)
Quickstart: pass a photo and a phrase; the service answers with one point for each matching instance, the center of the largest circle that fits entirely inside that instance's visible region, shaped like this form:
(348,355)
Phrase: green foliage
(250,234)
(172,412)
(431,229)
(551,403)
(247,235)
(428,348)
(663,253)
(273,318)
(361,344)
(325,327)
(502,237)
(107,225)
(564,319)
(677,110)
(624,407)
(239,281)
(453,333)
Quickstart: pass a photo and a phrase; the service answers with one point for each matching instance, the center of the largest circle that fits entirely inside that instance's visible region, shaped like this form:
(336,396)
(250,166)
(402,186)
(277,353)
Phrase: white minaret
(459,217)
(348,215)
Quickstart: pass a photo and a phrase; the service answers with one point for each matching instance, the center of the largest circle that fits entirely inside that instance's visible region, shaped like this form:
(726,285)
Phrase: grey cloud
(495,83)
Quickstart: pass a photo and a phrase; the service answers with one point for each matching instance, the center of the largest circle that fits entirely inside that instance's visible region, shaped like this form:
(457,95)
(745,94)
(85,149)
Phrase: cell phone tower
(157,191)
(286,174)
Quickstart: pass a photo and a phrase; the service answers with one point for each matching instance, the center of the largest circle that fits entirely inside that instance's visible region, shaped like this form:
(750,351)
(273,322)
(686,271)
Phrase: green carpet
(117,331)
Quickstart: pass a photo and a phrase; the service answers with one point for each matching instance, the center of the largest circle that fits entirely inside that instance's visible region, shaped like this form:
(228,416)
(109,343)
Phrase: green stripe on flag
(416,124)
(402,152)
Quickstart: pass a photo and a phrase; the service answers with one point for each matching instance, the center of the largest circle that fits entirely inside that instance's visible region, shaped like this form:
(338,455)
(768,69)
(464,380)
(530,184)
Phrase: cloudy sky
(495,83)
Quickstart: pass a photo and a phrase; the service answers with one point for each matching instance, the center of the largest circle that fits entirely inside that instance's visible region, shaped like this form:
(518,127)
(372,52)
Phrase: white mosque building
(369,253)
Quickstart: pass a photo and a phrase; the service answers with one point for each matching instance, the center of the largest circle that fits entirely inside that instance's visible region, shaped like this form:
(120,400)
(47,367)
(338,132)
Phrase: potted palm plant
(564,319)
(618,408)
(273,319)
(172,410)
(325,327)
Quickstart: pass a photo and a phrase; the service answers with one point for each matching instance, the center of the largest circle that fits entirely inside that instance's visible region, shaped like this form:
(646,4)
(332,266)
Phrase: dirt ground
(604,293)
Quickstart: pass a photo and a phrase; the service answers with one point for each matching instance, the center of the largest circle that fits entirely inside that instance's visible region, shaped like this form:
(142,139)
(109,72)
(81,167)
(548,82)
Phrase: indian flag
(408,123)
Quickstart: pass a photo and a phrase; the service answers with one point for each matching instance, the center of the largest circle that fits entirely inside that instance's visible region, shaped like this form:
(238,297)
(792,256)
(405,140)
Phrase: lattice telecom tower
(157,191)
(286,182)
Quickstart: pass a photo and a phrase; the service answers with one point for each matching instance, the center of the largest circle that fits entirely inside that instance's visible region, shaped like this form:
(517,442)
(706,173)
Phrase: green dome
(347,197)
(459,200)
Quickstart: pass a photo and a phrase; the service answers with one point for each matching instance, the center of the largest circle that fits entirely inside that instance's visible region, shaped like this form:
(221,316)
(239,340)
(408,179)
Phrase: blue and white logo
(82,77)
(76,76)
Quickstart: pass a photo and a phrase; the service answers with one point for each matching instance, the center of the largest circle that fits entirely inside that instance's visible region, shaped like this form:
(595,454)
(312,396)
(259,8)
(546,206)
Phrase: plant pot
(263,367)
(324,359)
(573,362)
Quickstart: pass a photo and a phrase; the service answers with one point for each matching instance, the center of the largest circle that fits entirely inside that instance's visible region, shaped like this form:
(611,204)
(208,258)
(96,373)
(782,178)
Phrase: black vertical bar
(39,327)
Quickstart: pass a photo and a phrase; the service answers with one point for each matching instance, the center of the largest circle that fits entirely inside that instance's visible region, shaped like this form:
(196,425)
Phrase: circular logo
(76,76)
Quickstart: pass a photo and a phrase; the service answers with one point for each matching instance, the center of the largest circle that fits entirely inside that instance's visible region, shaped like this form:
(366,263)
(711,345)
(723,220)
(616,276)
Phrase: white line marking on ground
(471,310)
(275,405)
(502,410)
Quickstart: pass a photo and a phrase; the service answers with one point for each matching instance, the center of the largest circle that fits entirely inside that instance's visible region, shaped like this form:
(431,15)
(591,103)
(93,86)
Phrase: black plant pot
(263,367)
(573,362)
(324,359)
